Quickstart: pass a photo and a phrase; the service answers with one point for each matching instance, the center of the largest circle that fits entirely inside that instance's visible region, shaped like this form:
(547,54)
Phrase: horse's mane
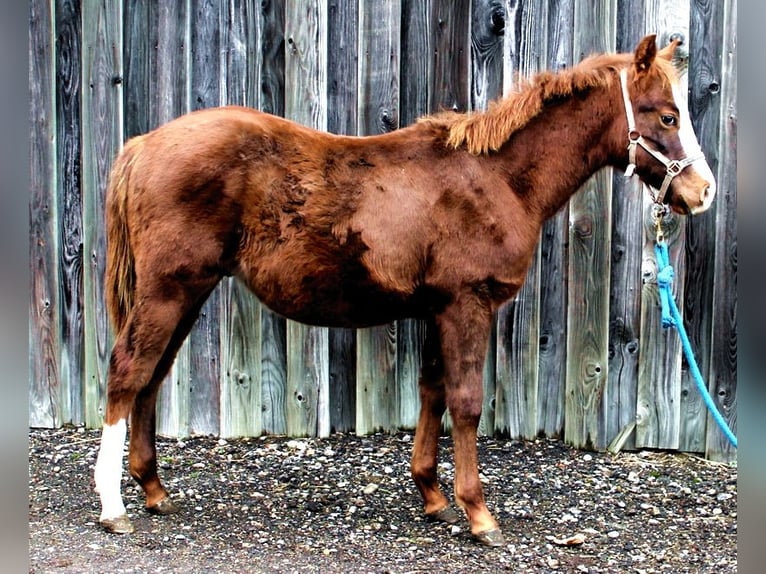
(486,131)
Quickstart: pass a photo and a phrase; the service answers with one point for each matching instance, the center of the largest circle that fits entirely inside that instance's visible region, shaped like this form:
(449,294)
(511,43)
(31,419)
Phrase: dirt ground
(346,504)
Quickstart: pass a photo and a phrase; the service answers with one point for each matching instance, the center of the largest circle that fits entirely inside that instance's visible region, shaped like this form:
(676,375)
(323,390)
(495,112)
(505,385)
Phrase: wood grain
(377,112)
(342,103)
(69,191)
(308,371)
(551,378)
(589,267)
(44,308)
(240,320)
(722,382)
(271,60)
(102,137)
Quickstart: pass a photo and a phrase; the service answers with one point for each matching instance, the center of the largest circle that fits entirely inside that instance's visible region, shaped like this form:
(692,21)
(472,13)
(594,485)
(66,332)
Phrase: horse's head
(663,148)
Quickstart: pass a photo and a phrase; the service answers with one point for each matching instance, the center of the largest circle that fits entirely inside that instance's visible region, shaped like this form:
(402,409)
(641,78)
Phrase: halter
(672,166)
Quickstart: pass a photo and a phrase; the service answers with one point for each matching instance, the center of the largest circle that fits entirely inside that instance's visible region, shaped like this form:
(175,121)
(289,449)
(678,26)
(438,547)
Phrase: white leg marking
(109,470)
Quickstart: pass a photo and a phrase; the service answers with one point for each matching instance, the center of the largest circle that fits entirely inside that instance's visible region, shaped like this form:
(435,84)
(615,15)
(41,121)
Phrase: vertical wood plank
(414,87)
(377,112)
(44,310)
(706,44)
(69,191)
(487,33)
(625,271)
(658,408)
(203,393)
(518,325)
(449,67)
(240,319)
(140,36)
(342,80)
(588,297)
(722,382)
(658,387)
(170,99)
(102,136)
(271,59)
(307,400)
(551,376)
(451,51)
(414,84)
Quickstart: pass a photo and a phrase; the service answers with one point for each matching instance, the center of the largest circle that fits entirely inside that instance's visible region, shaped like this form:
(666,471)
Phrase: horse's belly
(331,299)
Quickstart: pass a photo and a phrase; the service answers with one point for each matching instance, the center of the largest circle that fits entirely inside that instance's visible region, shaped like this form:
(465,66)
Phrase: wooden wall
(579,354)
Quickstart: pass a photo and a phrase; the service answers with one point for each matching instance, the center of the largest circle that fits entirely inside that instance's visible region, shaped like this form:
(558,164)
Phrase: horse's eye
(668,120)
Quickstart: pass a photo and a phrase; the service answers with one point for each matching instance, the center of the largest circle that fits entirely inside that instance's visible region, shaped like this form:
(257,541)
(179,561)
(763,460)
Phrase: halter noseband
(672,166)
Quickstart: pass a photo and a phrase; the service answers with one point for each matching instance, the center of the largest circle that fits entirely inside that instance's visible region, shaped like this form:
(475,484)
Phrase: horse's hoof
(119,525)
(493,537)
(446,514)
(163,507)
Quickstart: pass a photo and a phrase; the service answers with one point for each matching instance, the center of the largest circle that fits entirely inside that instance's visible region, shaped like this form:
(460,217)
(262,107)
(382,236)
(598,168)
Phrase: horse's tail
(120,278)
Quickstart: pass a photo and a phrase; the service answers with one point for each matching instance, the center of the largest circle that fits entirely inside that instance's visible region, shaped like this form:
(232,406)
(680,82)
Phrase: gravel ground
(347,504)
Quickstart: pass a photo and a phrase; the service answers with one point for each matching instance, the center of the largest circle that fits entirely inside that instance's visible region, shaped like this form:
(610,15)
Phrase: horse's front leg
(464,334)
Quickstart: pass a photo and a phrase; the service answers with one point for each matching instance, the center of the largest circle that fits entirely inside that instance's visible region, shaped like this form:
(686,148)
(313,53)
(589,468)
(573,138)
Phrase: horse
(437,221)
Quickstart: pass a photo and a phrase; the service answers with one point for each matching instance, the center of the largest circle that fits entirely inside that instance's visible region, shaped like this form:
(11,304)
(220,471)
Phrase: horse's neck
(550,158)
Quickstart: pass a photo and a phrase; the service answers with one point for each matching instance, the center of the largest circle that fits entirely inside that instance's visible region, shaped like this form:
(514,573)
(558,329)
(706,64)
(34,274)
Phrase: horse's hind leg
(425,449)
(142,452)
(138,349)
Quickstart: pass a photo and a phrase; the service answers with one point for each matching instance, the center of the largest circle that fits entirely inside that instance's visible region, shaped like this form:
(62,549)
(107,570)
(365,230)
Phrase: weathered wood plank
(588,298)
(625,271)
(554,258)
(449,66)
(414,87)
(204,390)
(658,385)
(170,99)
(487,34)
(449,71)
(271,61)
(44,305)
(414,84)
(241,396)
(308,371)
(723,361)
(240,319)
(342,74)
(70,203)
(488,25)
(377,112)
(140,35)
(518,333)
(102,137)
(705,55)
(658,407)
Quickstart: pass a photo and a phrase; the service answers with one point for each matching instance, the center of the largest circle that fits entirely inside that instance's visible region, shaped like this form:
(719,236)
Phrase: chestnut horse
(438,220)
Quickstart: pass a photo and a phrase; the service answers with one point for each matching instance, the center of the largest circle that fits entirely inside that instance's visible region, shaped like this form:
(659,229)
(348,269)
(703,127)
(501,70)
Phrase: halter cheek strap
(672,166)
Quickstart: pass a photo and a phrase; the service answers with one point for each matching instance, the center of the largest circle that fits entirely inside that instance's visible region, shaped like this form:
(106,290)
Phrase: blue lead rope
(672,317)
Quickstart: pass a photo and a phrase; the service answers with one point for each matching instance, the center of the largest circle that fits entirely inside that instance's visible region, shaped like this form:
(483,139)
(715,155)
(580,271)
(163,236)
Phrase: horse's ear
(645,53)
(668,51)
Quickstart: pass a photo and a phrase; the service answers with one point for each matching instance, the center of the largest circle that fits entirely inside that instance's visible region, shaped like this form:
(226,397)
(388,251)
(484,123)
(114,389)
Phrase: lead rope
(672,317)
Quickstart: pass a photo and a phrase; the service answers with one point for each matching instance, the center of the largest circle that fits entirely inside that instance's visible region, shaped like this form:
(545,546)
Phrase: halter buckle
(675,167)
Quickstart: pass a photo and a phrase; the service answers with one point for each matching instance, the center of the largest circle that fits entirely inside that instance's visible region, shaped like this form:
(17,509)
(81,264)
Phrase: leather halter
(672,166)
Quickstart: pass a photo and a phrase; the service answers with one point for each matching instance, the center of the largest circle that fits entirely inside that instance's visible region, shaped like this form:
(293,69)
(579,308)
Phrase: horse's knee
(465,406)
